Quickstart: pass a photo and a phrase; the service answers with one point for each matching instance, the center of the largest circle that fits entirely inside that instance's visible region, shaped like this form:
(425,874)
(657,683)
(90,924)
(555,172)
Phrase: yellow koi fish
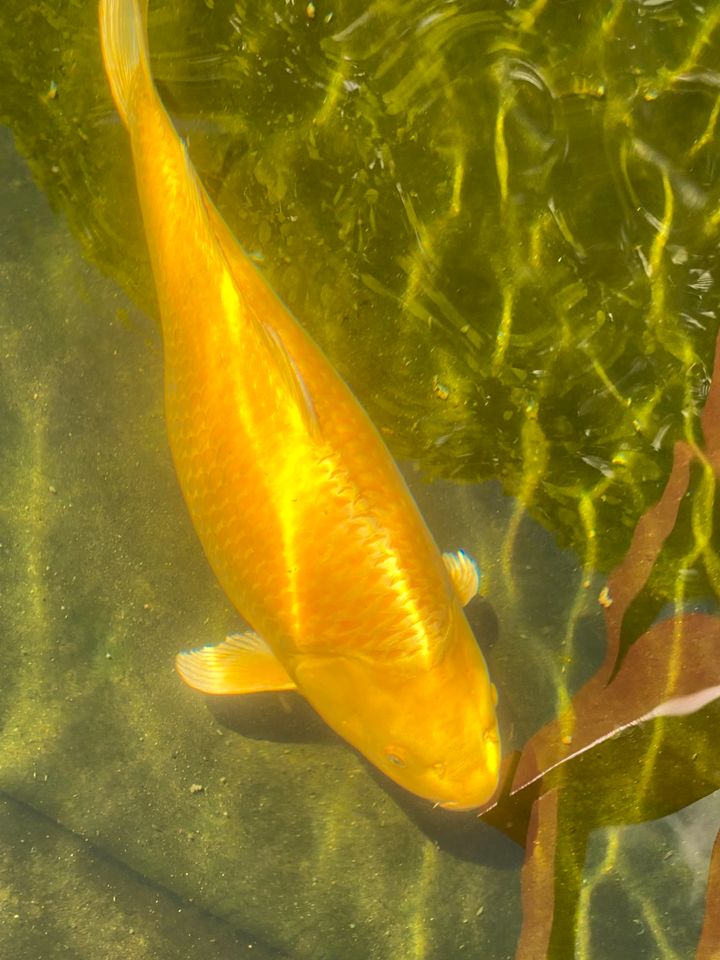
(301,511)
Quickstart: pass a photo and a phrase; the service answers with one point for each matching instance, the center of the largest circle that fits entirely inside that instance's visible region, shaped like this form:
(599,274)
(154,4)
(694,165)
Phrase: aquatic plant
(636,741)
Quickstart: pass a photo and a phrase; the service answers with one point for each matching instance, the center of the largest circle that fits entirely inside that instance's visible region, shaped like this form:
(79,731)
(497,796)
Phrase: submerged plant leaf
(671,671)
(709,946)
(538,878)
(616,754)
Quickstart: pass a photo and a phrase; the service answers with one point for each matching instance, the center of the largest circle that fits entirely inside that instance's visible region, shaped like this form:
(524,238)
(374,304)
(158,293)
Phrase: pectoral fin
(242,663)
(464,573)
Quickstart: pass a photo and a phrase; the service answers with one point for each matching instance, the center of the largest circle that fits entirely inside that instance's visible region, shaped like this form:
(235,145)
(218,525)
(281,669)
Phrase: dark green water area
(501,221)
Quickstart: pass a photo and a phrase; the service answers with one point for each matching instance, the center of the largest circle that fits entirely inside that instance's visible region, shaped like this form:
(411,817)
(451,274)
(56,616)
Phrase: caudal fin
(123,39)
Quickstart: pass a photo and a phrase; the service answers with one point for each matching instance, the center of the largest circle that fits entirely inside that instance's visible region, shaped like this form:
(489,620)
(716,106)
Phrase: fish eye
(394,757)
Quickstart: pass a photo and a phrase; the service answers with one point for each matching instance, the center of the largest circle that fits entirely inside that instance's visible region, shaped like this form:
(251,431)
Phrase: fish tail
(123,37)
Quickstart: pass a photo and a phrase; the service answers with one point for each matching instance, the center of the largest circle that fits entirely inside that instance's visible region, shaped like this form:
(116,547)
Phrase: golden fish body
(300,509)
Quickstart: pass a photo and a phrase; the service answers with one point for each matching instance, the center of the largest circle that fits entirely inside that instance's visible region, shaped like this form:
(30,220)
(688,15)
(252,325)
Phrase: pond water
(500,221)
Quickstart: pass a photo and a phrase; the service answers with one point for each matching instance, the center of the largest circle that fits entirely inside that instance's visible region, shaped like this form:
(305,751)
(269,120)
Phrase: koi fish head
(434,731)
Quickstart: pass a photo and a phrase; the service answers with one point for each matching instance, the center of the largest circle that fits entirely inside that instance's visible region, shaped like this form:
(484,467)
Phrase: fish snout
(473,784)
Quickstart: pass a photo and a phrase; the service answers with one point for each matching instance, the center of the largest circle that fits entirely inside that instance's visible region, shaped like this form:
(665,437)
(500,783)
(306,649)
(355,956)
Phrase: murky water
(500,221)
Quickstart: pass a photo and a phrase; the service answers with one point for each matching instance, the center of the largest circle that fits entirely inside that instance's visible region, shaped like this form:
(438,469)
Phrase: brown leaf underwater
(709,946)
(636,742)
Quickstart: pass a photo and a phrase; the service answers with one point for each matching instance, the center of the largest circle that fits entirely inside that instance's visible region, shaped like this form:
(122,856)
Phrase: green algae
(528,190)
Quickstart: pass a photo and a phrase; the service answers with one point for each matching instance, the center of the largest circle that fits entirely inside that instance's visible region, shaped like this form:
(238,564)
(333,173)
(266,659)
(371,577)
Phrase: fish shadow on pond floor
(280,717)
(461,834)
(288,718)
(484,622)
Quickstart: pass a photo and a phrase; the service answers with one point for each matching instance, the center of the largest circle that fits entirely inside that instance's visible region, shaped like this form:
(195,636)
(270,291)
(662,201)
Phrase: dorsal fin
(285,363)
(293,380)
